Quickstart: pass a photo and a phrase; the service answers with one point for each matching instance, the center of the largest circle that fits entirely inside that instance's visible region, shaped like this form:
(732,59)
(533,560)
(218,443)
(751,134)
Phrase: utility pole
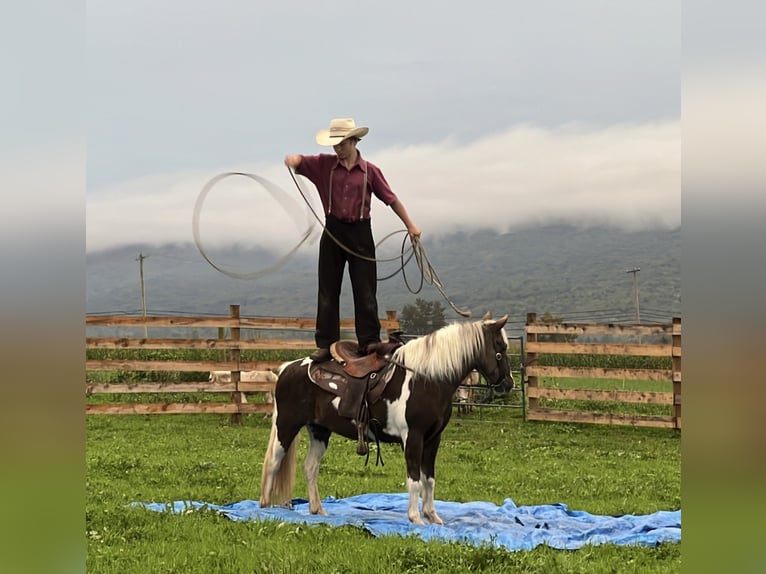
(635,271)
(140,260)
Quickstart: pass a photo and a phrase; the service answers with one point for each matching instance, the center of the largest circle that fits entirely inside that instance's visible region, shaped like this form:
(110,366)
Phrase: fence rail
(231,347)
(541,340)
(559,339)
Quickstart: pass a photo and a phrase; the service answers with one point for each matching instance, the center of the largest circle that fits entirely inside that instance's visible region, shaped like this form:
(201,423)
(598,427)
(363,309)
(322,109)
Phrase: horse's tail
(284,481)
(277,483)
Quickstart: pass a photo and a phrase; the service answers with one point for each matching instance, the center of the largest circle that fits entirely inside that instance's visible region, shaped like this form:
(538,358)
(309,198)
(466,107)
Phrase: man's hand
(293,161)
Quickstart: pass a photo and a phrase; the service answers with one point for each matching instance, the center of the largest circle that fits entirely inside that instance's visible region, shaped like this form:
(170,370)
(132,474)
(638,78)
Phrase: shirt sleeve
(379,185)
(309,167)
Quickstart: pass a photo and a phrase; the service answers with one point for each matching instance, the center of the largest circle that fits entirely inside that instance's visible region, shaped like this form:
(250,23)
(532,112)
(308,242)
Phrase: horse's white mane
(444,354)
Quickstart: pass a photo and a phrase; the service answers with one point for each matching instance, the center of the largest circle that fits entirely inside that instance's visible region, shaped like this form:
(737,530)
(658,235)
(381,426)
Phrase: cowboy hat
(340,129)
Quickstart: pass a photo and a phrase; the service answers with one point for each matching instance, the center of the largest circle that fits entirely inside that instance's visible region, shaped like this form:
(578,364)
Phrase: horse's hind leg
(271,462)
(428,480)
(319,437)
(278,474)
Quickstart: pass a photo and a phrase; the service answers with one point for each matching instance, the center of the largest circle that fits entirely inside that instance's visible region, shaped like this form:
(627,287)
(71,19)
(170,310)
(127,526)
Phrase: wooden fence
(233,345)
(541,338)
(561,338)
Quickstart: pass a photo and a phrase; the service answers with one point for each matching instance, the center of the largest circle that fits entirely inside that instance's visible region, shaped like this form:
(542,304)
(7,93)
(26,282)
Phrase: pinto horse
(414,408)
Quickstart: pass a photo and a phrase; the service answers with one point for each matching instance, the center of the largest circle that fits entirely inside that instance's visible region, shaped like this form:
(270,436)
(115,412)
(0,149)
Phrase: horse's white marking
(277,452)
(283,366)
(396,423)
(429,511)
(413,489)
(279,449)
(333,386)
(311,468)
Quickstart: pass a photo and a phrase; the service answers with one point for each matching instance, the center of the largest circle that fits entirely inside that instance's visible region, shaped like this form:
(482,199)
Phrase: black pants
(358,238)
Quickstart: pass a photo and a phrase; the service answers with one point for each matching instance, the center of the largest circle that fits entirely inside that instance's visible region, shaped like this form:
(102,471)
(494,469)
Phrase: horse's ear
(487,316)
(500,323)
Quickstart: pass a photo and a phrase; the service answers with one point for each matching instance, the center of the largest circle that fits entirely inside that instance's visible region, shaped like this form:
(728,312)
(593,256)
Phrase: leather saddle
(346,353)
(355,379)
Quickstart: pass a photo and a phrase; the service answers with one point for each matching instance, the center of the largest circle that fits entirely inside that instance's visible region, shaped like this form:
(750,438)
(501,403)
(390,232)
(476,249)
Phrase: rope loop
(414,249)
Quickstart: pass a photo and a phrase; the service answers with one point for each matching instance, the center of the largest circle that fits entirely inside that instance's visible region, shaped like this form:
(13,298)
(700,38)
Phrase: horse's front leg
(413,454)
(318,440)
(428,480)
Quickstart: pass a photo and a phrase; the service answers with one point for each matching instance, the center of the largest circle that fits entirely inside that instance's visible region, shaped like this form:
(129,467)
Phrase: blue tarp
(477,523)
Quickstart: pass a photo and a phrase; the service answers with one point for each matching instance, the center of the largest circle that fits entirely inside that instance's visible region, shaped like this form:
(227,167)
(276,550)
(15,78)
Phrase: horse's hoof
(431,517)
(435,520)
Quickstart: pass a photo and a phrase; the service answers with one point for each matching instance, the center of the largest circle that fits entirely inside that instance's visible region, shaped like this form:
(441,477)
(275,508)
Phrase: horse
(219,377)
(420,379)
(464,395)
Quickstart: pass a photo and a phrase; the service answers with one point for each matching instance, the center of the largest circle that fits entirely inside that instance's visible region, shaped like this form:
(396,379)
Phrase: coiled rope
(416,249)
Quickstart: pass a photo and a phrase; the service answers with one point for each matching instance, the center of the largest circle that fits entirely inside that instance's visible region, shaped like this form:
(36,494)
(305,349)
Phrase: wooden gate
(604,361)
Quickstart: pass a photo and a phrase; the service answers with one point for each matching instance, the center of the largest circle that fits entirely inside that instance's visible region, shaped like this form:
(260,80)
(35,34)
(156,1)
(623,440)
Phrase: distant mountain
(576,274)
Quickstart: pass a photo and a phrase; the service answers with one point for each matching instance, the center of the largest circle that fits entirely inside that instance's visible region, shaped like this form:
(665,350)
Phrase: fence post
(528,360)
(677,372)
(236,396)
(391,316)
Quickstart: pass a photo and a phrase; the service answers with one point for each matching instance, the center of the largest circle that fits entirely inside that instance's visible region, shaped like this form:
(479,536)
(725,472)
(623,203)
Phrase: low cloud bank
(625,176)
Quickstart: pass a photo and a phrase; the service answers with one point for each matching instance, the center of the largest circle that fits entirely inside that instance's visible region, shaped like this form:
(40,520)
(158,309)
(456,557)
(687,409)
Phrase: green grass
(490,455)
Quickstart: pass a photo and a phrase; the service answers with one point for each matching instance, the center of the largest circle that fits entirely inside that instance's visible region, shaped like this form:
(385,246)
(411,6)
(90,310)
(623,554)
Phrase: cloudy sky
(484,114)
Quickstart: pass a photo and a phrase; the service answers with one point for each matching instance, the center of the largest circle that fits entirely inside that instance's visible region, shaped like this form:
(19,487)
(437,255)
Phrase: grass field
(489,455)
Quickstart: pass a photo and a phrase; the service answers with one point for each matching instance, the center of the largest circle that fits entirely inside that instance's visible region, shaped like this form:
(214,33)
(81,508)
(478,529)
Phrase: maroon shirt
(342,191)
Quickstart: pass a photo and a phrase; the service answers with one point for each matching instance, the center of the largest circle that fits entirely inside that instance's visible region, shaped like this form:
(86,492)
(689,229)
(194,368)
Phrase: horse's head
(493,359)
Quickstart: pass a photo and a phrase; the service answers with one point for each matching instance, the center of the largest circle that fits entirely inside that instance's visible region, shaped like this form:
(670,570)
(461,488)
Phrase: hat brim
(324,138)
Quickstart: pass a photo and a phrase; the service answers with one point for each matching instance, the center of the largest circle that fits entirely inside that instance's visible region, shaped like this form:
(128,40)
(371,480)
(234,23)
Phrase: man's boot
(321,355)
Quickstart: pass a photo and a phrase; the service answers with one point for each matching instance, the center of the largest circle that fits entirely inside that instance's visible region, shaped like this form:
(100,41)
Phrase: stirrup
(361,445)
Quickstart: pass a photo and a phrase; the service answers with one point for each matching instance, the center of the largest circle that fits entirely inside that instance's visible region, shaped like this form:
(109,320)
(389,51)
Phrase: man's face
(345,149)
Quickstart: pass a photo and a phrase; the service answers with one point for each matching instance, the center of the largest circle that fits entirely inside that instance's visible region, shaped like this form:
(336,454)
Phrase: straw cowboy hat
(340,129)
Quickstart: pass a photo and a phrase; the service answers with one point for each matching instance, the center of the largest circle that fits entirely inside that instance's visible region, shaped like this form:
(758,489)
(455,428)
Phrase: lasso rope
(280,195)
(427,271)
(416,249)
(428,274)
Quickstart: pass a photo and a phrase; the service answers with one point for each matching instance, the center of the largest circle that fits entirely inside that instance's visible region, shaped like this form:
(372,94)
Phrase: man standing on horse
(346,183)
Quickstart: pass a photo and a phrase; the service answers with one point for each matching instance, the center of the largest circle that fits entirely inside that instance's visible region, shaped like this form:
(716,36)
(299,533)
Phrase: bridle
(499,386)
